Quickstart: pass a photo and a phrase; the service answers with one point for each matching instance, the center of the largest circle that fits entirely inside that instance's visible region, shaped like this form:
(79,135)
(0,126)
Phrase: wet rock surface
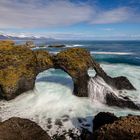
(125,128)
(21,129)
(122,102)
(103,118)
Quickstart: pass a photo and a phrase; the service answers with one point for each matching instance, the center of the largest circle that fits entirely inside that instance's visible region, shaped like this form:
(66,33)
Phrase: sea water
(52,97)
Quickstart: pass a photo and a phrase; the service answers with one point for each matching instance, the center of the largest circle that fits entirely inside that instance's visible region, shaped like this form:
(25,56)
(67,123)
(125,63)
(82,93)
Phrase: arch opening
(91,72)
(54,81)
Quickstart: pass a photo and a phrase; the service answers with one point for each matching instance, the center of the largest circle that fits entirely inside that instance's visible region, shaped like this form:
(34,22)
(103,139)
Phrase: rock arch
(19,67)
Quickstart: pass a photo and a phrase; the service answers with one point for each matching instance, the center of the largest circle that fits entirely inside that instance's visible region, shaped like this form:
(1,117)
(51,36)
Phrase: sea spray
(52,99)
(98,89)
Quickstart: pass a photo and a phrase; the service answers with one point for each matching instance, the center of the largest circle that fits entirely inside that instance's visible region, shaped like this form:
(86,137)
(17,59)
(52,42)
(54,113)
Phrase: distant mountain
(2,36)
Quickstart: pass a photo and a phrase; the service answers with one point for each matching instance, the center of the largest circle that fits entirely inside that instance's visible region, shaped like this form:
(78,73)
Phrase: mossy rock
(21,129)
(19,67)
(44,60)
(6,42)
(125,128)
(17,71)
(74,60)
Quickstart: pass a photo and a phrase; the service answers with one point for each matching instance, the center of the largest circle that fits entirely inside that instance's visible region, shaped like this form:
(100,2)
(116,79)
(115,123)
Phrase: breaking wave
(53,98)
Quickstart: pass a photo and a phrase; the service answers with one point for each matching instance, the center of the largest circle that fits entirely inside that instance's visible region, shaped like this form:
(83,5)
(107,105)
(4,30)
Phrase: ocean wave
(114,53)
(75,45)
(78,45)
(53,52)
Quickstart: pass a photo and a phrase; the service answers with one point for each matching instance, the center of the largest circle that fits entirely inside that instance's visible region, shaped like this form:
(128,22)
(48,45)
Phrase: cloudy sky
(71,19)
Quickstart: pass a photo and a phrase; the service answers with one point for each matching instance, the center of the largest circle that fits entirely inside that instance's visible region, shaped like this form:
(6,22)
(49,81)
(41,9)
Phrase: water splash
(53,98)
(98,89)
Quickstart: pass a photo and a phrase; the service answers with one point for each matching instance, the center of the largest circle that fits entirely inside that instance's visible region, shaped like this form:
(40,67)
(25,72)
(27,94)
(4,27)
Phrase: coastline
(60,99)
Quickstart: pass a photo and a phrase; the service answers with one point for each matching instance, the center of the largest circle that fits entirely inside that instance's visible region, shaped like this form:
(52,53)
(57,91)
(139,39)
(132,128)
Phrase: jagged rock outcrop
(125,128)
(19,67)
(120,83)
(21,129)
(122,102)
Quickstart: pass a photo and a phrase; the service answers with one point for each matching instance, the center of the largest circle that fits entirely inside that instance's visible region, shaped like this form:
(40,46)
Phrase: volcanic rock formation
(124,128)
(19,67)
(21,129)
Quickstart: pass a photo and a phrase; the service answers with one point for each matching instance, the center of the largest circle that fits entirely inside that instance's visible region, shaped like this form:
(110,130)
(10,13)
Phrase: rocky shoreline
(105,126)
(19,66)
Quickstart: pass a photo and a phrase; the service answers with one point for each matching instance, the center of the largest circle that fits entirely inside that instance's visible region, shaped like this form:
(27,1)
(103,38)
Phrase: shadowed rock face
(21,129)
(19,67)
(125,102)
(125,128)
(103,118)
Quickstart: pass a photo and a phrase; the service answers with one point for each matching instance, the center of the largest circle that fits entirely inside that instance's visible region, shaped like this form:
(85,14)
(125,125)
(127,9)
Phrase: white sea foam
(53,52)
(53,98)
(78,45)
(75,45)
(113,53)
(98,89)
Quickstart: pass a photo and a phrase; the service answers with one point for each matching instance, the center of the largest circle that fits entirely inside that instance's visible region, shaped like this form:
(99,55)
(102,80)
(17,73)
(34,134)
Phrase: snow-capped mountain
(22,37)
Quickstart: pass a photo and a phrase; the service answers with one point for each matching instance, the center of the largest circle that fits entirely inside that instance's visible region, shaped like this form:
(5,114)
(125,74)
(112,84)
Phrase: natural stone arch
(74,61)
(19,67)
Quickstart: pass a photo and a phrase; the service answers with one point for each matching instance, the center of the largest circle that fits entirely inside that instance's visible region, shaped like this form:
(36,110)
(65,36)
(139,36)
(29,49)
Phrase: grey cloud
(31,14)
(56,13)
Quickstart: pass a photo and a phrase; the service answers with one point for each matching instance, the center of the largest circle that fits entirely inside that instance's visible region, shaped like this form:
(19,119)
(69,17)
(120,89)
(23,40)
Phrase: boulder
(30,44)
(21,129)
(103,118)
(125,128)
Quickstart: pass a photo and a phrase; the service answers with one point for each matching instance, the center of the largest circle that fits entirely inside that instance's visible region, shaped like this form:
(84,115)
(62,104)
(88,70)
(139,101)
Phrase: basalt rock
(103,118)
(17,71)
(19,66)
(21,129)
(120,83)
(122,102)
(125,128)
